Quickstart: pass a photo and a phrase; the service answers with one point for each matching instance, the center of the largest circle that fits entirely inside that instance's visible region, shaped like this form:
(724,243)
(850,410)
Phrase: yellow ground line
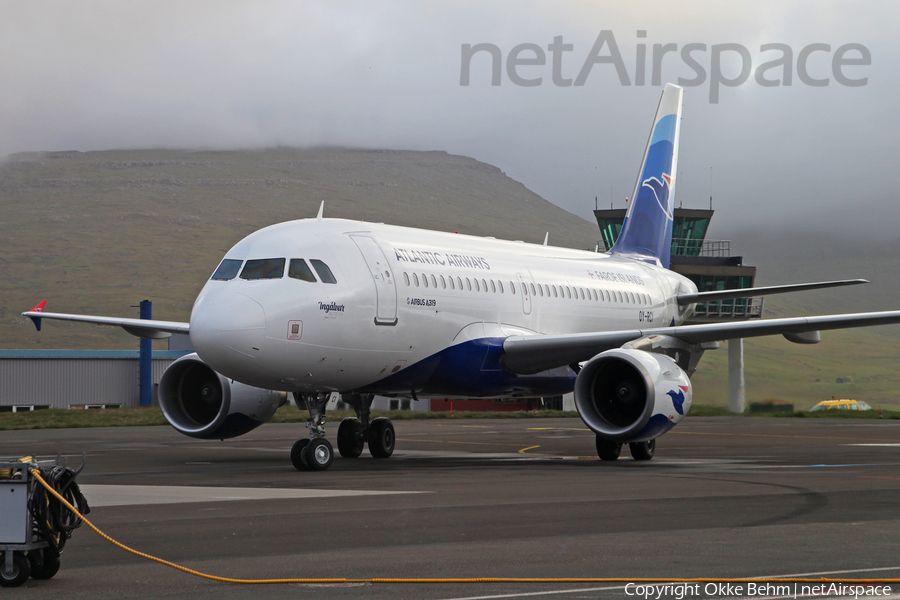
(558,429)
(524,450)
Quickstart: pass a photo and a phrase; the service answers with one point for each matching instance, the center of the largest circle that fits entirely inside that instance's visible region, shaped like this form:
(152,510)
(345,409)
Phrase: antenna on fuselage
(321,210)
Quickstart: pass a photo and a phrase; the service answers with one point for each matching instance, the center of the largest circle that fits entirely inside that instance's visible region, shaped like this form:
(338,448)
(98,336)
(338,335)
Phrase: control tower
(710,265)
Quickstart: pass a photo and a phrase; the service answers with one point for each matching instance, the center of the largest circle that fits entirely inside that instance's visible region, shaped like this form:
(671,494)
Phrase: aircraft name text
(331,307)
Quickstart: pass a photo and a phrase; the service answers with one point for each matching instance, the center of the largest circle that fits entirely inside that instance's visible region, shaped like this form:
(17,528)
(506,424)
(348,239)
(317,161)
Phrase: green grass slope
(98,232)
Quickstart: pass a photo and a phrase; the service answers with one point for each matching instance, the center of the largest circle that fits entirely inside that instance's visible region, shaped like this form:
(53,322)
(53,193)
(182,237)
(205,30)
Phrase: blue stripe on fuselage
(472,369)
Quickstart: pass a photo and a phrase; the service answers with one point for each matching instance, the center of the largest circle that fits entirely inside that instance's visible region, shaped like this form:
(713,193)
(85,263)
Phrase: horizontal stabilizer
(763,291)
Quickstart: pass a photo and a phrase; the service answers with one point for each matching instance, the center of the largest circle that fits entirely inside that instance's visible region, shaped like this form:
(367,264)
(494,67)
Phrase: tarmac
(510,498)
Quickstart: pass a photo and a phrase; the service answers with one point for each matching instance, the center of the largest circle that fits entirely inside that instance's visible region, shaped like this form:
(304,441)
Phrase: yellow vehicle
(842,404)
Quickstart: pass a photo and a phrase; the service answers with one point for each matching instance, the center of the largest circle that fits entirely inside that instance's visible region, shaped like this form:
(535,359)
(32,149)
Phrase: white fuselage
(414,310)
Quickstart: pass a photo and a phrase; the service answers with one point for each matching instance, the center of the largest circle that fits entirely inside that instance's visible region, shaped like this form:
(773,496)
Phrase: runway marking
(767,435)
(621,587)
(854,465)
(452,442)
(132,495)
(547,593)
(877,445)
(871,570)
(524,450)
(558,429)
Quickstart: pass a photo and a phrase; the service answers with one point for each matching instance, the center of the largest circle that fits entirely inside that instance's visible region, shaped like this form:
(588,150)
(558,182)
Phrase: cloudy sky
(95,75)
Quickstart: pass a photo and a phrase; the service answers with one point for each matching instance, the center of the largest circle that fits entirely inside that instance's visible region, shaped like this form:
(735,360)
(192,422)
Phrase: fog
(109,75)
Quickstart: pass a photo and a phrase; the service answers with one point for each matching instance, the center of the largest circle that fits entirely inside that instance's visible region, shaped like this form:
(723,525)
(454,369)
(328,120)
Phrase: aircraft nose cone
(227,328)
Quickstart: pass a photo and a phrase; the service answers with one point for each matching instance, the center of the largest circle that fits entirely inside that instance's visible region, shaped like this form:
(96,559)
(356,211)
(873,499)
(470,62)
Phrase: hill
(97,232)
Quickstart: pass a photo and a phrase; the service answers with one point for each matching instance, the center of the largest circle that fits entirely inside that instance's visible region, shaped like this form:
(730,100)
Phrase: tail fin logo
(660,191)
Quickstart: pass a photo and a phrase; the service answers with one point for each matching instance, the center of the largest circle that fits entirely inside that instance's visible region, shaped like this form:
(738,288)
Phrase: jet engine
(631,395)
(201,403)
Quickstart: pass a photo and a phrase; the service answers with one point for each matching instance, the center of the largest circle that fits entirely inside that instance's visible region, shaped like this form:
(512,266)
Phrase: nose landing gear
(317,453)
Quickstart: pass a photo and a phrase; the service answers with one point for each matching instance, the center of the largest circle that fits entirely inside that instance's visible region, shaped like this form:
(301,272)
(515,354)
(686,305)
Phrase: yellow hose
(37,476)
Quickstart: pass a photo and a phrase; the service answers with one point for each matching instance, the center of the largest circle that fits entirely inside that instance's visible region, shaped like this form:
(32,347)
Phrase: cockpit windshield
(300,270)
(263,268)
(324,272)
(227,270)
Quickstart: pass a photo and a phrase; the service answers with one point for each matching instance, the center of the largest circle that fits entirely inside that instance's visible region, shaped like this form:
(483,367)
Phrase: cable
(53,522)
(161,561)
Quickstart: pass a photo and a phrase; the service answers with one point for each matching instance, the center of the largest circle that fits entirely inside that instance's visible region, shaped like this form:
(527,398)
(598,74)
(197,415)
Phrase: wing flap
(535,353)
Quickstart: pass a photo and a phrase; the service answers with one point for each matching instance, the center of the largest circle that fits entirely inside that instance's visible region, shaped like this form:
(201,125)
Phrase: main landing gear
(609,450)
(317,453)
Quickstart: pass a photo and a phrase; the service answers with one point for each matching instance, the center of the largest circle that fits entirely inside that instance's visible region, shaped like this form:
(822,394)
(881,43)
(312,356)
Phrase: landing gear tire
(381,438)
(318,454)
(642,450)
(608,449)
(21,570)
(297,454)
(350,438)
(44,563)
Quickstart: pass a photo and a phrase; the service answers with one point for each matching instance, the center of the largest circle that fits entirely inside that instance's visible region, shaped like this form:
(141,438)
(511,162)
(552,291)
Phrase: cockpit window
(324,272)
(263,268)
(227,270)
(298,269)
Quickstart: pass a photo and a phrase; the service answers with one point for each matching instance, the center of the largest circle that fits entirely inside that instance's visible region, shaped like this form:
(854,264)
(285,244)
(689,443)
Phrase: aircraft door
(526,293)
(385,288)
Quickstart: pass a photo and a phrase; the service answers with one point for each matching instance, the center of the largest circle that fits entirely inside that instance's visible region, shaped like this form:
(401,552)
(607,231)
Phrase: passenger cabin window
(324,272)
(227,270)
(263,268)
(298,269)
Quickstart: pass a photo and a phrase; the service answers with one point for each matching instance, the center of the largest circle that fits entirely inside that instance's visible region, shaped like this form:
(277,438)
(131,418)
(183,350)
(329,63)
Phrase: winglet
(321,210)
(38,308)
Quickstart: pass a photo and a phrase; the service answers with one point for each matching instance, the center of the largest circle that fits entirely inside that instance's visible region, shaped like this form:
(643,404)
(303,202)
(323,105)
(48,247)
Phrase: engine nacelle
(200,403)
(632,395)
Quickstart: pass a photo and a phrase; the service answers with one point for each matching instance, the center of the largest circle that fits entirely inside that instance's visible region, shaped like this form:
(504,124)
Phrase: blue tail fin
(647,231)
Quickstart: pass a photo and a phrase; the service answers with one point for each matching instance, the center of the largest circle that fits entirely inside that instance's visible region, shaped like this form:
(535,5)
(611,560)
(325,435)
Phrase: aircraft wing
(762,291)
(535,353)
(145,328)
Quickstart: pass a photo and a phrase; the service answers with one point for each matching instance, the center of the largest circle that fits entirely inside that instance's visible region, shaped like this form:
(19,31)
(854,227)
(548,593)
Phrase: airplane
(316,306)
